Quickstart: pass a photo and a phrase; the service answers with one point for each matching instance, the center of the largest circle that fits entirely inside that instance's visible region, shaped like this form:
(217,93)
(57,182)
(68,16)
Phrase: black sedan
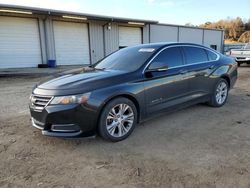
(129,86)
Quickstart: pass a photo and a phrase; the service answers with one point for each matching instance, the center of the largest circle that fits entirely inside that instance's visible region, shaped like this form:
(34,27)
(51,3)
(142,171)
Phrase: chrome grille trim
(39,102)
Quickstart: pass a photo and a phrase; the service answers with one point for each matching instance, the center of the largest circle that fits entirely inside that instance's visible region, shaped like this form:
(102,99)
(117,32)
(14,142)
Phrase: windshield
(247,46)
(126,59)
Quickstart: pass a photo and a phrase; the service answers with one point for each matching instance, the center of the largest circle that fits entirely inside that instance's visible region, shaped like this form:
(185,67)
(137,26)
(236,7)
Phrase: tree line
(236,30)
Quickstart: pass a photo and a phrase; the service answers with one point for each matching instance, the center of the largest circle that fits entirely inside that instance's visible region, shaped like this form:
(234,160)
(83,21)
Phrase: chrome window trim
(184,65)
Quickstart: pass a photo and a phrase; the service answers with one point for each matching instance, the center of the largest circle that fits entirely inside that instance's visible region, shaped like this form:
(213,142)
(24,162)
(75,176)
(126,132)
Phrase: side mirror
(157,68)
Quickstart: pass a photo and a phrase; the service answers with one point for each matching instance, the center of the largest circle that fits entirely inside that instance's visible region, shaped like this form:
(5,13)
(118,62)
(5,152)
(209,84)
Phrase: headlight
(73,99)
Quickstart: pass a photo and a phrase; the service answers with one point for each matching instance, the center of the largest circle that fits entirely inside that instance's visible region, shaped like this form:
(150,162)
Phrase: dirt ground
(199,146)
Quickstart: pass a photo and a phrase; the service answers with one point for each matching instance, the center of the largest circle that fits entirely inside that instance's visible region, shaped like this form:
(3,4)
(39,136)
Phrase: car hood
(80,79)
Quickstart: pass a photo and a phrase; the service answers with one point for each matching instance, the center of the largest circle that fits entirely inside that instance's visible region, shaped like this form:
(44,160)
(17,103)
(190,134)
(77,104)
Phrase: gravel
(199,146)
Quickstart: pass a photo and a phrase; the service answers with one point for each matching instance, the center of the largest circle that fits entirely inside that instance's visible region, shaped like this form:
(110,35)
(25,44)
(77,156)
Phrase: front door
(166,88)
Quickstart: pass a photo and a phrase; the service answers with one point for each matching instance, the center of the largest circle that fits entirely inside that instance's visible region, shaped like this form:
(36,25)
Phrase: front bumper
(72,120)
(242,59)
(70,130)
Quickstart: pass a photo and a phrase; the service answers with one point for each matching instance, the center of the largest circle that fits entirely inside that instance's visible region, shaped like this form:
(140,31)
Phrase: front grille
(39,102)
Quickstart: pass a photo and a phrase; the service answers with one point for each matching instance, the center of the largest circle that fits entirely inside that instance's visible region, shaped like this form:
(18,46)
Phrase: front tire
(220,93)
(117,120)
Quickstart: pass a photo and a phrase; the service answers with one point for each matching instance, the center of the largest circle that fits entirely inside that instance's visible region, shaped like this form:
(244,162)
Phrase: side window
(211,55)
(170,57)
(194,54)
(213,46)
(121,47)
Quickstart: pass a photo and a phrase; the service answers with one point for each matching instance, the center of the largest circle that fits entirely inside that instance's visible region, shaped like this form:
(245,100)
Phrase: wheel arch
(125,95)
(226,77)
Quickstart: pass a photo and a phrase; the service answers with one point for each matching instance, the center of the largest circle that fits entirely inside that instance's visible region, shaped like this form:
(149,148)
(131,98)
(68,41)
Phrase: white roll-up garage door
(129,36)
(71,43)
(19,42)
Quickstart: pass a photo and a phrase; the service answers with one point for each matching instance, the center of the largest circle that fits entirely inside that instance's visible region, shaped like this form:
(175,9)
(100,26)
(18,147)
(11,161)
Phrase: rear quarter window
(211,55)
(194,54)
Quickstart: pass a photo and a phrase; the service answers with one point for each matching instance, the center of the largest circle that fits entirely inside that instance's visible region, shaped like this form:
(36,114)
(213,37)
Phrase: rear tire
(118,119)
(220,93)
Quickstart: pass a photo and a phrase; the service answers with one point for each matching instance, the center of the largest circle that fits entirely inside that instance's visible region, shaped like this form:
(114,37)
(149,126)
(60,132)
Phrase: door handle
(200,74)
(183,71)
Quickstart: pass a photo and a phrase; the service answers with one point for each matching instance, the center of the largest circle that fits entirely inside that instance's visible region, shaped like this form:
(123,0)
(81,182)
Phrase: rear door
(166,88)
(199,64)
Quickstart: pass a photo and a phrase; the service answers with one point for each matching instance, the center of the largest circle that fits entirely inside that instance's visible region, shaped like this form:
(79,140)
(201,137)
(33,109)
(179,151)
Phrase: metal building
(32,36)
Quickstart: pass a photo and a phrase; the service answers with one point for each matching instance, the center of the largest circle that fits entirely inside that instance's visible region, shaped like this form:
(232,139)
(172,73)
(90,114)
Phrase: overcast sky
(165,11)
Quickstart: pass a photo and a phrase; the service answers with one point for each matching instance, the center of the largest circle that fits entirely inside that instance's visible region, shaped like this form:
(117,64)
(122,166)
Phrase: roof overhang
(71,15)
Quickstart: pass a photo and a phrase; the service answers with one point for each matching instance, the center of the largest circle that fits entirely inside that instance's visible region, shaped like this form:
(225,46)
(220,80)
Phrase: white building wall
(103,37)
(163,33)
(175,33)
(212,37)
(191,35)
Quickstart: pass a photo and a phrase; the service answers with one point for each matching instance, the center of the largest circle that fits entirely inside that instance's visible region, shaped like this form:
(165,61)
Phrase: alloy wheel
(120,119)
(221,93)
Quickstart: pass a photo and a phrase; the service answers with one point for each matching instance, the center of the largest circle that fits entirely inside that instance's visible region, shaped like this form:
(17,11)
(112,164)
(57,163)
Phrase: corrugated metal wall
(111,38)
(172,33)
(145,34)
(96,37)
(49,37)
(161,33)
(190,35)
(42,40)
(212,37)
(104,36)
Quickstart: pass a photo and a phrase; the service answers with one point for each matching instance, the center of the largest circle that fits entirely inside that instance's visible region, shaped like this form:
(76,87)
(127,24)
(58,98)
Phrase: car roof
(160,45)
(165,44)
